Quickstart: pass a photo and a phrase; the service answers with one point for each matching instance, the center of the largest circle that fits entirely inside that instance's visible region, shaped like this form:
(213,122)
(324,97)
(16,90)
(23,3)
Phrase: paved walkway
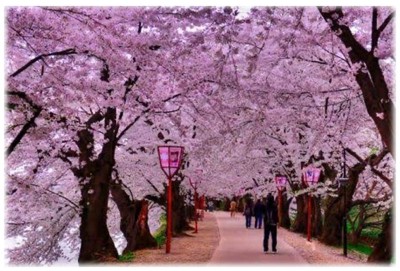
(239,245)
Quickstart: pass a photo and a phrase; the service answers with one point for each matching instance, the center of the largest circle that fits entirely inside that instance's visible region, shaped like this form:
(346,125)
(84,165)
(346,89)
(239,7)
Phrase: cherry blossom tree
(92,91)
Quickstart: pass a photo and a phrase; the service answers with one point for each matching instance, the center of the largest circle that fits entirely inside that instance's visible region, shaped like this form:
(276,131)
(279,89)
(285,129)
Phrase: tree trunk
(300,222)
(316,217)
(133,222)
(383,250)
(356,234)
(144,239)
(96,240)
(94,177)
(334,212)
(227,204)
(180,221)
(285,211)
(372,83)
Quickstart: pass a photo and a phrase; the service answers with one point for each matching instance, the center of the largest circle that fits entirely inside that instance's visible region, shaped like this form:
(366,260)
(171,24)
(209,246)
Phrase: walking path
(223,240)
(239,245)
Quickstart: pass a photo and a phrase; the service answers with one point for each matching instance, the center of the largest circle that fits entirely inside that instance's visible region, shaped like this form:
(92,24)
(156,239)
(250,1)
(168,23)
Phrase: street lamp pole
(169,217)
(309,221)
(170,161)
(196,207)
(311,177)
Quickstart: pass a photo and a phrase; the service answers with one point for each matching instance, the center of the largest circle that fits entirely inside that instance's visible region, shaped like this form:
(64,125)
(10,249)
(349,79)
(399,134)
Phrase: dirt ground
(191,248)
(316,252)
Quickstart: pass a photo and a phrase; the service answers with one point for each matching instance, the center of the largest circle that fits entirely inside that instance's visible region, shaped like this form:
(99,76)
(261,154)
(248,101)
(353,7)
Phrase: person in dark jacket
(270,223)
(248,212)
(258,213)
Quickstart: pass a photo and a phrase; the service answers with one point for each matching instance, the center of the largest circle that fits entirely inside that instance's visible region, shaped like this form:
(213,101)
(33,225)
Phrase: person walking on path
(248,212)
(233,207)
(258,213)
(270,223)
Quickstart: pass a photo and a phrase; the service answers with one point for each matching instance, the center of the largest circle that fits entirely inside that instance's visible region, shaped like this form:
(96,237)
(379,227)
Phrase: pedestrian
(210,206)
(248,212)
(270,223)
(233,207)
(258,213)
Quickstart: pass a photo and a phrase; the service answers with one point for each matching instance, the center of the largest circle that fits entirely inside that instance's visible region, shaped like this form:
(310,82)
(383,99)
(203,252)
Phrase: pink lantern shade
(311,175)
(170,159)
(280,182)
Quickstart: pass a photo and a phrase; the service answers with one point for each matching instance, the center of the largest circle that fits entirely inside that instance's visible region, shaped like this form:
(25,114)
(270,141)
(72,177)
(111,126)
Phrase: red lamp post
(311,176)
(280,185)
(170,161)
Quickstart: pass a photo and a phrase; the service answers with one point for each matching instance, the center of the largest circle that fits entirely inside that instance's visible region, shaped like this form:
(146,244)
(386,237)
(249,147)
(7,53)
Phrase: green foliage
(159,235)
(371,233)
(364,249)
(373,150)
(127,257)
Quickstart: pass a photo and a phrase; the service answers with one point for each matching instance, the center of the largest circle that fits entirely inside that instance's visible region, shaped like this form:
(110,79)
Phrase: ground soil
(316,252)
(189,248)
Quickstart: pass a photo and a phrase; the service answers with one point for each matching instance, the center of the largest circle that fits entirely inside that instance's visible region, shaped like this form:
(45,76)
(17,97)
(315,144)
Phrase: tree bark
(144,239)
(300,222)
(316,217)
(96,240)
(334,212)
(36,110)
(371,80)
(383,250)
(133,223)
(95,177)
(180,220)
(356,233)
(285,211)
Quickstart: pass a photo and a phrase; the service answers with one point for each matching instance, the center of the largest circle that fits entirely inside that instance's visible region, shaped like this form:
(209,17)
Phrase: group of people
(266,211)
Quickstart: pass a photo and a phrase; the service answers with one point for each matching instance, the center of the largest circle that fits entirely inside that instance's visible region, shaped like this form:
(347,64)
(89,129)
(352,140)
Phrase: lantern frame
(311,175)
(170,158)
(280,182)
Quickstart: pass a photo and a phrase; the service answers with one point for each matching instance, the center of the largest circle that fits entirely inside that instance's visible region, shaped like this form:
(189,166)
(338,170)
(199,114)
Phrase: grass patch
(159,235)
(361,248)
(372,233)
(127,257)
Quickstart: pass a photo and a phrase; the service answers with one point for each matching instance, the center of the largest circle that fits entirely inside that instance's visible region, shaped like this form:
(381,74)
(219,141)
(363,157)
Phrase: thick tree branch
(172,97)
(168,112)
(375,171)
(159,200)
(131,124)
(385,23)
(343,31)
(372,83)
(73,204)
(41,57)
(152,185)
(36,112)
(374,32)
(363,201)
